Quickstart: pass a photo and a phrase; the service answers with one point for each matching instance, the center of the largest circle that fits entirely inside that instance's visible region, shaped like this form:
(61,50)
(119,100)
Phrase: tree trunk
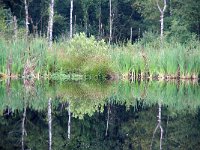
(162,18)
(99,34)
(15,27)
(71,11)
(50,23)
(110,18)
(50,123)
(131,36)
(26,14)
(74,24)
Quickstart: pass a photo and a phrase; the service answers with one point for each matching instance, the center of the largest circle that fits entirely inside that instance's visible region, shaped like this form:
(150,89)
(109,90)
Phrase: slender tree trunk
(50,123)
(26,14)
(162,17)
(131,36)
(139,32)
(50,23)
(86,25)
(100,21)
(74,24)
(110,18)
(48,31)
(69,122)
(15,27)
(71,11)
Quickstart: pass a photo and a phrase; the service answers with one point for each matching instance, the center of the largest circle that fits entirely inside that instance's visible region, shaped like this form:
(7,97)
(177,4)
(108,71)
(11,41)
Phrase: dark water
(43,115)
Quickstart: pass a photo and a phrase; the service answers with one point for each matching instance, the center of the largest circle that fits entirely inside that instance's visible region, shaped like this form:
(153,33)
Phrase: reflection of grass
(87,98)
(177,97)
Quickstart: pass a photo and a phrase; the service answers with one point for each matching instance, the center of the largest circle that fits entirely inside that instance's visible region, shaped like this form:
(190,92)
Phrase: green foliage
(2,19)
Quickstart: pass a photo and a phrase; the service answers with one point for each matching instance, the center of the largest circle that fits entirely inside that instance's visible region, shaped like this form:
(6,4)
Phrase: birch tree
(15,27)
(110,18)
(162,10)
(26,16)
(50,23)
(71,11)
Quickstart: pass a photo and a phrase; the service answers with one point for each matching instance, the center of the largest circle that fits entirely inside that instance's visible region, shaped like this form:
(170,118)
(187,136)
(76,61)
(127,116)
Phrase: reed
(96,60)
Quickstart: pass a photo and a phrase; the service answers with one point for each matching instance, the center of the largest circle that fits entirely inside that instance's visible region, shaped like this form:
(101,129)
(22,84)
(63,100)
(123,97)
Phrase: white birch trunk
(110,18)
(15,27)
(50,123)
(162,17)
(100,21)
(26,15)
(50,27)
(71,11)
(131,36)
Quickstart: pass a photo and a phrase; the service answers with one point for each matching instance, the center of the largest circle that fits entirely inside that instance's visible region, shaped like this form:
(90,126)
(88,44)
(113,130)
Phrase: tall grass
(172,60)
(94,59)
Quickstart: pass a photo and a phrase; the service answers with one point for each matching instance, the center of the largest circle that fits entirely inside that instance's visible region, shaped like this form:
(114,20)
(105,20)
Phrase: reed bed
(86,58)
(151,60)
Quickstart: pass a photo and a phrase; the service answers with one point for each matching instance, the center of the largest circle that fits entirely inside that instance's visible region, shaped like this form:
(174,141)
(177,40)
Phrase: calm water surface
(41,115)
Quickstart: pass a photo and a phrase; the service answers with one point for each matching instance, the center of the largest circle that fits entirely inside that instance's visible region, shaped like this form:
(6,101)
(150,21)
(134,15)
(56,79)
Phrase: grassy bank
(85,58)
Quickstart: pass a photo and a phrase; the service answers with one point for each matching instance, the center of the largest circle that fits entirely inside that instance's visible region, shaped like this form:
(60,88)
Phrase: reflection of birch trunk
(69,122)
(71,11)
(159,125)
(23,126)
(49,123)
(108,119)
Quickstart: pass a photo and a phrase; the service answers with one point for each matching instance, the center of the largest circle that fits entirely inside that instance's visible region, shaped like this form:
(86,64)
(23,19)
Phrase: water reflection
(104,116)
(159,125)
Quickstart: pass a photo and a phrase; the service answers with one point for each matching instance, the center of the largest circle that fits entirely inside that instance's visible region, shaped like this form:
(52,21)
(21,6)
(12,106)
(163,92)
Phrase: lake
(80,115)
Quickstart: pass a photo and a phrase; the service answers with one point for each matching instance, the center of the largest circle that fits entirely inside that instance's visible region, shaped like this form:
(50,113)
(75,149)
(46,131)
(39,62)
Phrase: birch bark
(26,15)
(50,24)
(162,10)
(71,11)
(110,18)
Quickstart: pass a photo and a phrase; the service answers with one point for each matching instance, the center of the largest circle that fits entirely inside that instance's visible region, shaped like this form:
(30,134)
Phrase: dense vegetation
(135,55)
